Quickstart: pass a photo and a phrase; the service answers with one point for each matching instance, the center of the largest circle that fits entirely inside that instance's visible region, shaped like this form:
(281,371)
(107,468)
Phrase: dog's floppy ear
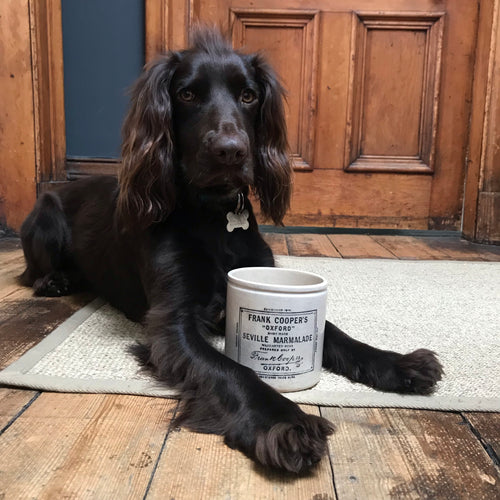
(146,179)
(273,172)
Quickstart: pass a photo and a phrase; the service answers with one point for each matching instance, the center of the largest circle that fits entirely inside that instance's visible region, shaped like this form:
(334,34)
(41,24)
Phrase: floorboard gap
(487,447)
(162,449)
(20,412)
(330,461)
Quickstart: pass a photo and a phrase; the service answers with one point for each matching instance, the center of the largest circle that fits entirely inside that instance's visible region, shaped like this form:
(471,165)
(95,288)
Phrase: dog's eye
(186,95)
(248,96)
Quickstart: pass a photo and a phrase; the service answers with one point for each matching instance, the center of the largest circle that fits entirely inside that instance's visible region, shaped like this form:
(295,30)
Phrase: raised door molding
(297,30)
(393,92)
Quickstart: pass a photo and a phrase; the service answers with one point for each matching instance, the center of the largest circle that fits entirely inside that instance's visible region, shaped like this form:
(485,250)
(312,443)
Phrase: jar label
(277,344)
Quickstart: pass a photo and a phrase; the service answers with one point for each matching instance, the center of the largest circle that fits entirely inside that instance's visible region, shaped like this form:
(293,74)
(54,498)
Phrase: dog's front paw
(291,441)
(294,447)
(419,371)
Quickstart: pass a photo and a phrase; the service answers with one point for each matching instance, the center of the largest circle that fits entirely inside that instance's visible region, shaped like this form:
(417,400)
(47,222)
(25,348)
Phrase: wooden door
(379,97)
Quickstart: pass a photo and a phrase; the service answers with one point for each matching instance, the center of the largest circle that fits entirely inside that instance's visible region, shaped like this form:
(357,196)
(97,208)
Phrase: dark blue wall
(103,43)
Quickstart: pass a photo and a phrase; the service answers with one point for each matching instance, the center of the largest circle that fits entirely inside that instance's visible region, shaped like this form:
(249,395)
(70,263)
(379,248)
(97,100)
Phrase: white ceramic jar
(275,322)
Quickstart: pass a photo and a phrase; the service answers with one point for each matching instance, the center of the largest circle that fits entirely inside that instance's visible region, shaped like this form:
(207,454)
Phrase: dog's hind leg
(45,237)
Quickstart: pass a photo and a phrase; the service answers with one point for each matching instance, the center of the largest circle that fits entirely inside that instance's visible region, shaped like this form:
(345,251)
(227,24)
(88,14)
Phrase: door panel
(103,55)
(393,92)
(291,41)
(378,103)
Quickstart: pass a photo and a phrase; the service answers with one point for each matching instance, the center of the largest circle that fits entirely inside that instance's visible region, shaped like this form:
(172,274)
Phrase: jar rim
(277,279)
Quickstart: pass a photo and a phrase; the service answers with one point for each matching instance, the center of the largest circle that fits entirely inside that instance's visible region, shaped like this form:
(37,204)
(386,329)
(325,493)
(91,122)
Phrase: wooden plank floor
(115,447)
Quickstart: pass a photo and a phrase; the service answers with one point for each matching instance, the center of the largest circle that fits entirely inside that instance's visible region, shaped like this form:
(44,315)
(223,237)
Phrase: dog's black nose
(229,149)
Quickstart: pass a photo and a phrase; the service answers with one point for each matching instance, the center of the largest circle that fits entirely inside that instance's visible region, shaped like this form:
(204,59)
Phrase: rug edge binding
(320,398)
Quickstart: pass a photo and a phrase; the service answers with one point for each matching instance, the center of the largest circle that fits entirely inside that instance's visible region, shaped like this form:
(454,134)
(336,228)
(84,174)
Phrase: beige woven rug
(450,307)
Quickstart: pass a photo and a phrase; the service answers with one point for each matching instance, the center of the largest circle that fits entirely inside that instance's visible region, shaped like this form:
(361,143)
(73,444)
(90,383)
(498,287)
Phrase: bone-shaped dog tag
(238,220)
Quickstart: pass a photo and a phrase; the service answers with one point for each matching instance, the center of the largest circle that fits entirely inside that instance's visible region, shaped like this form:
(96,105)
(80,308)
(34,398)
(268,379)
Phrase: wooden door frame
(481,209)
(167,23)
(48,92)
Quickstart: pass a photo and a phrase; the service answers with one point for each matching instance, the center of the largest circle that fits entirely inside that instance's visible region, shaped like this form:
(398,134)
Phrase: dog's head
(207,118)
